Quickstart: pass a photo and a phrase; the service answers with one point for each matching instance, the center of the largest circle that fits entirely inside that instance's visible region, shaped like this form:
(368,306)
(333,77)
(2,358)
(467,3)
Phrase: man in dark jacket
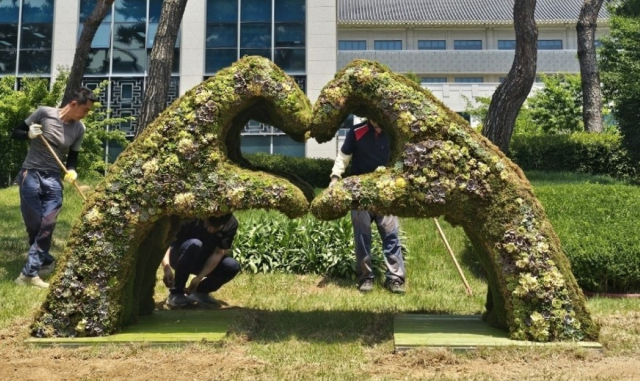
(367,147)
(201,248)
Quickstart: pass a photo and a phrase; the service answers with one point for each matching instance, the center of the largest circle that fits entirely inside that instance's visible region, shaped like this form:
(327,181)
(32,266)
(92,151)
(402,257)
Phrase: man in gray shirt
(39,178)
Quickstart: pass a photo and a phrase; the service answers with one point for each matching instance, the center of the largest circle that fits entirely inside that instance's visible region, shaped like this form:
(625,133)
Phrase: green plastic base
(458,332)
(161,328)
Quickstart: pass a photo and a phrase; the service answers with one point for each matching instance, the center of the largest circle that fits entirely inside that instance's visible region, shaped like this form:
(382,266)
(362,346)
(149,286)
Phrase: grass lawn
(310,327)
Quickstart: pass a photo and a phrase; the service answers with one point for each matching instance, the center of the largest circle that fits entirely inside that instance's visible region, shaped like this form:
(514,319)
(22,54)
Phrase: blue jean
(388,227)
(40,204)
(186,258)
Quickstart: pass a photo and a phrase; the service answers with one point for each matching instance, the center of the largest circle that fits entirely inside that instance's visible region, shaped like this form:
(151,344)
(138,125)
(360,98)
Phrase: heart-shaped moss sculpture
(188,164)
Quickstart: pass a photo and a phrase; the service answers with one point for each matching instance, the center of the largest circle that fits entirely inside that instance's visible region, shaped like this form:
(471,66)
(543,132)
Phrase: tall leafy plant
(15,107)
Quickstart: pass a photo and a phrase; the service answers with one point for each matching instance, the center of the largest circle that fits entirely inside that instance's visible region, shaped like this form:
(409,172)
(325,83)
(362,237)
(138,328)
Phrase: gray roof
(447,12)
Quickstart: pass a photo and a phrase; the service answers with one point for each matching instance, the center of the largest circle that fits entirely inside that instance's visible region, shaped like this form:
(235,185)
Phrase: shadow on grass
(330,327)
(470,259)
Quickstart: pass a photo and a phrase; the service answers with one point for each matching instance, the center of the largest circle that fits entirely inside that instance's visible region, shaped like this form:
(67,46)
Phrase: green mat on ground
(456,332)
(163,327)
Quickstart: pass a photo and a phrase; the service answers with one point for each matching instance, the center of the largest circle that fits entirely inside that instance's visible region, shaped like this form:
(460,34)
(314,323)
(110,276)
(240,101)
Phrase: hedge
(598,154)
(598,226)
(317,172)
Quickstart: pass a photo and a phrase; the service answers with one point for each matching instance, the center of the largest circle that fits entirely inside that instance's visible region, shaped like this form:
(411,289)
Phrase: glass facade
(432,45)
(506,44)
(352,45)
(274,29)
(549,44)
(469,79)
(467,44)
(387,45)
(433,80)
(26,37)
(120,53)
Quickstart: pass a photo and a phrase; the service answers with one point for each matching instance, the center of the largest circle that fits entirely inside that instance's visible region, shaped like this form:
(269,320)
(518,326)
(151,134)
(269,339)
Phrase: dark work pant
(185,260)
(40,203)
(388,227)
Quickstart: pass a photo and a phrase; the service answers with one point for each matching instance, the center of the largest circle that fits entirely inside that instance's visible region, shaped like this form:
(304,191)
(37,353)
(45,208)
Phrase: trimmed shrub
(598,154)
(317,172)
(597,225)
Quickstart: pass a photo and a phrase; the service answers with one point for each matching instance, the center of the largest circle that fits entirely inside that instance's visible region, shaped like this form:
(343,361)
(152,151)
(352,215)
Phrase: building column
(65,35)
(192,45)
(322,61)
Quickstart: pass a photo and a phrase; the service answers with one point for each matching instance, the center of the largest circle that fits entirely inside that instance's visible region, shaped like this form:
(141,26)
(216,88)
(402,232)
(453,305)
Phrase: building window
(26,35)
(467,44)
(124,39)
(506,44)
(274,29)
(469,80)
(433,80)
(387,44)
(352,45)
(549,44)
(597,43)
(432,44)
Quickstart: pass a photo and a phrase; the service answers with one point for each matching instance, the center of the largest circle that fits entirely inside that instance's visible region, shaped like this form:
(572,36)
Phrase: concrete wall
(65,34)
(321,60)
(192,45)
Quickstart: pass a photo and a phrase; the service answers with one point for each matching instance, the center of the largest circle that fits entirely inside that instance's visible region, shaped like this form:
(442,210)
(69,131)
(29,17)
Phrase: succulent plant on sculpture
(188,163)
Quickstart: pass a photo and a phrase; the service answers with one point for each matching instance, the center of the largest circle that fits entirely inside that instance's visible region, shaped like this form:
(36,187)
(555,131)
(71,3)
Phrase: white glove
(35,130)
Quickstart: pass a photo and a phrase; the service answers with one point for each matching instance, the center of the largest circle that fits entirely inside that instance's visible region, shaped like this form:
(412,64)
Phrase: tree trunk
(161,62)
(91,25)
(511,94)
(590,77)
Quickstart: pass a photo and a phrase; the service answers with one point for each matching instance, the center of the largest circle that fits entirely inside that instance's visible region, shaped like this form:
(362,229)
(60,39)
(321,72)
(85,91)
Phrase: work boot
(34,281)
(47,269)
(178,300)
(366,285)
(203,299)
(396,286)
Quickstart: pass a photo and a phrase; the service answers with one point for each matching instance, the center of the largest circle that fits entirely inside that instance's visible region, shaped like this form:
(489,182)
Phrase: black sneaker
(366,285)
(178,300)
(396,286)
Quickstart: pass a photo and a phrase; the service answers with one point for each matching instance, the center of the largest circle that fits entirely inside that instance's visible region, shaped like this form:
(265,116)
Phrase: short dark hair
(84,95)
(220,220)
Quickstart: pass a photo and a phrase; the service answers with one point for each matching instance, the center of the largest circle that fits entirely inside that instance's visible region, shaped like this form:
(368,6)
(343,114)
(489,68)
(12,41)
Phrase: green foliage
(583,152)
(15,107)
(413,77)
(99,129)
(314,171)
(269,243)
(598,226)
(557,107)
(524,122)
(620,71)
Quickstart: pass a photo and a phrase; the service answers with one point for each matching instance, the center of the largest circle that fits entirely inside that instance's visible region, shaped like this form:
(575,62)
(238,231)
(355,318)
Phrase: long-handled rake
(446,243)
(64,168)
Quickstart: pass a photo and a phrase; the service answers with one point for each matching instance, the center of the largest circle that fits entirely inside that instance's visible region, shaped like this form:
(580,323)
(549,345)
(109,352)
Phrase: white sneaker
(35,281)
(47,269)
(203,299)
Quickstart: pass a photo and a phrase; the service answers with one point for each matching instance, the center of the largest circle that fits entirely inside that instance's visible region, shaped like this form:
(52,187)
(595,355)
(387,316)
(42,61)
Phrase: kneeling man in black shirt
(201,248)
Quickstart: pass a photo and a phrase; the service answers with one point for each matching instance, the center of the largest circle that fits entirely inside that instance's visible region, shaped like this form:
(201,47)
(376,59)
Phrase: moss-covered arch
(185,164)
(444,168)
